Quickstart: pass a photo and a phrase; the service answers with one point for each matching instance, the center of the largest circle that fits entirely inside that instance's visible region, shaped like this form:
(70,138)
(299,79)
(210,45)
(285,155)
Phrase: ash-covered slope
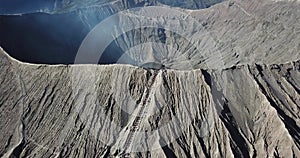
(245,111)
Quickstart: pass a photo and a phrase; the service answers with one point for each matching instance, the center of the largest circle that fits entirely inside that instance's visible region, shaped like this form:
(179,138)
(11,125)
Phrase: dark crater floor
(51,39)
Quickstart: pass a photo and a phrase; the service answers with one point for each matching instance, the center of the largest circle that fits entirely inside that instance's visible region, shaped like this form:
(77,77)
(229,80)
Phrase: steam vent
(149,78)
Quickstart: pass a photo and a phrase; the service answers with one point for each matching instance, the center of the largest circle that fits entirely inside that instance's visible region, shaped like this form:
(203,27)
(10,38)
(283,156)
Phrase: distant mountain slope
(54,6)
(226,34)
